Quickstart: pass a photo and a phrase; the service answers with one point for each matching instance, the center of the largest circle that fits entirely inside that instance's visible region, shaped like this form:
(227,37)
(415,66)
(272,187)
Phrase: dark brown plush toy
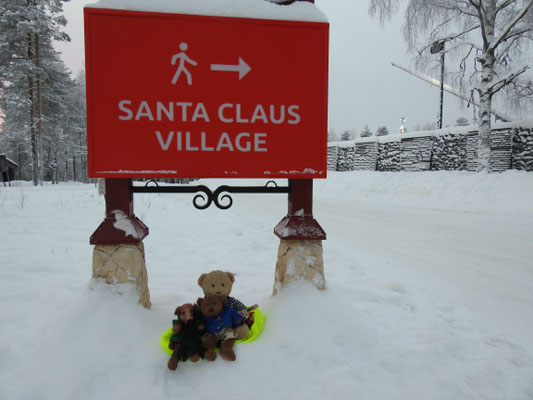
(220,323)
(186,339)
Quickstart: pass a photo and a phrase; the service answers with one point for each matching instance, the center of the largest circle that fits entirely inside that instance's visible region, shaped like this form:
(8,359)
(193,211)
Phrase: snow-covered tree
(462,121)
(27,59)
(366,132)
(382,131)
(497,33)
(346,135)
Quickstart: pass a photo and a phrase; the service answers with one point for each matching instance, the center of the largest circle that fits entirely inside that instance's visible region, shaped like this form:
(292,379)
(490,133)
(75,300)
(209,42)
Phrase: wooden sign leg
(118,254)
(300,249)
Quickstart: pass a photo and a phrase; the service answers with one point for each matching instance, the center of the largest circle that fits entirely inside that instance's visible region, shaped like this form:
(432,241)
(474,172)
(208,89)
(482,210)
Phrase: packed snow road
(480,262)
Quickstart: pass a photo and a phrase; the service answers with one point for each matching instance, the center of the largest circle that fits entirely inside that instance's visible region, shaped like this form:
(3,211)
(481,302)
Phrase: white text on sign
(228,113)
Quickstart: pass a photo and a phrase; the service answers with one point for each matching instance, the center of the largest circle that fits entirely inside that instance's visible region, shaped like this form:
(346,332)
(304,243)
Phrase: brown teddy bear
(220,323)
(186,340)
(220,283)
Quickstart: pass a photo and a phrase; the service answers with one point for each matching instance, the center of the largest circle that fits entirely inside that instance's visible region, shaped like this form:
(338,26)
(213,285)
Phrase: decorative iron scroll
(203,200)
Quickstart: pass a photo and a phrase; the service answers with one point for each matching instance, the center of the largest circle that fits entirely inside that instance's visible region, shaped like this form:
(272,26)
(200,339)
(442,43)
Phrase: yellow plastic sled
(255,330)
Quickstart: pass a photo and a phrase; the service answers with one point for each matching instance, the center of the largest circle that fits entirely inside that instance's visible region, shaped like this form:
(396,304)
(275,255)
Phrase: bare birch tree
(495,33)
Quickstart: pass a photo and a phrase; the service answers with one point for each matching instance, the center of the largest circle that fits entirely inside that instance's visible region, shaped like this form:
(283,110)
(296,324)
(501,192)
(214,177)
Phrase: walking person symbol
(183,58)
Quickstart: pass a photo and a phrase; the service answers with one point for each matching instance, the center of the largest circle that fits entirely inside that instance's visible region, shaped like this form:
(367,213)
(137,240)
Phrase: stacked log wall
(447,149)
(365,157)
(388,156)
(415,154)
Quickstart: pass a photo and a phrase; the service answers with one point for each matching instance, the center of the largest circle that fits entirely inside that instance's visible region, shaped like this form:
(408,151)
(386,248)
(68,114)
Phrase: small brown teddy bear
(220,323)
(220,283)
(186,340)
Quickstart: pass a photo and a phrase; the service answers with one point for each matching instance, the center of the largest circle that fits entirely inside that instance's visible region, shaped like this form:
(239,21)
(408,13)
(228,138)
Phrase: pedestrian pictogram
(183,58)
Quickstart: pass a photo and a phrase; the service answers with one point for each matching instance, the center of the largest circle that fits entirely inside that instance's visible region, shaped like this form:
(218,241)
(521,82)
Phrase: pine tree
(346,135)
(27,29)
(366,132)
(462,121)
(382,131)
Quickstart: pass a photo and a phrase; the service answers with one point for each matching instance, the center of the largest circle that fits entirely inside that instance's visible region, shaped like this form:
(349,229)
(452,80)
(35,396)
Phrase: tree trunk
(487,61)
(33,138)
(74,167)
(39,107)
(485,125)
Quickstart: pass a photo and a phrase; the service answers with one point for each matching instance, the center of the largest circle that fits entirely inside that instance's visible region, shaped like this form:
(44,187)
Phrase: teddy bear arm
(236,318)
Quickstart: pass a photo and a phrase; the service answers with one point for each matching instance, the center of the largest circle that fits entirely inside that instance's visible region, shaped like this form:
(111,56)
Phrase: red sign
(172,95)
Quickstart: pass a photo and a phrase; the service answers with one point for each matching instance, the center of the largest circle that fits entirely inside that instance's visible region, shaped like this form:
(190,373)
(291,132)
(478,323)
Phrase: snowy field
(429,293)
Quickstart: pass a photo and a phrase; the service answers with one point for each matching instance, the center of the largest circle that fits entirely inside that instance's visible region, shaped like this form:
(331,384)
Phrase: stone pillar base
(299,260)
(122,263)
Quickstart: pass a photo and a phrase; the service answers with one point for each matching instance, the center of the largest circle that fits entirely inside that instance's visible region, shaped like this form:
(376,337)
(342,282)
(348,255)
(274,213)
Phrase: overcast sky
(364,88)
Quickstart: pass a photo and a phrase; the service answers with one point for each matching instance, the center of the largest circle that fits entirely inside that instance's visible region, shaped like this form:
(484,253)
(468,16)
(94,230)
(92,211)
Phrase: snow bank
(451,190)
(262,9)
(423,299)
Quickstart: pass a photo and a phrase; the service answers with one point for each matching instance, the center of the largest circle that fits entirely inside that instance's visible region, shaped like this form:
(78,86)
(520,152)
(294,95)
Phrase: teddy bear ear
(201,279)
(231,276)
(199,301)
(178,309)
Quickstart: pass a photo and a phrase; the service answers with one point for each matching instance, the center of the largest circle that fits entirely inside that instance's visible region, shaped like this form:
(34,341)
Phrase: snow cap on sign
(261,9)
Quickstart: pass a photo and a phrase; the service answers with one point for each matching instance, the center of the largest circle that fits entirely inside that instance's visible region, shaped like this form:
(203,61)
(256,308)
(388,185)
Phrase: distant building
(8,169)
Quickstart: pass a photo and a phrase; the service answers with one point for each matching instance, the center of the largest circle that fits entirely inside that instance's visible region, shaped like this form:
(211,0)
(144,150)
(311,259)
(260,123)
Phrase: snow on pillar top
(261,9)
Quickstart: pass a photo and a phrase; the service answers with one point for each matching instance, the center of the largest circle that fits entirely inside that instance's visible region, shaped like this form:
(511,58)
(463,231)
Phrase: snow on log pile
(415,153)
(388,156)
(522,156)
(345,160)
(471,151)
(449,152)
(501,145)
(332,158)
(446,149)
(365,157)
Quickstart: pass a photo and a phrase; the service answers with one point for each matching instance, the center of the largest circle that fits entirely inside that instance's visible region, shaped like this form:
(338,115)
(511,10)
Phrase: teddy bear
(220,283)
(220,323)
(186,340)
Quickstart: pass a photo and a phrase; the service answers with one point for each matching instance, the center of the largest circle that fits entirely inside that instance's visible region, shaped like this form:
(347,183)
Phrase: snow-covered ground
(429,279)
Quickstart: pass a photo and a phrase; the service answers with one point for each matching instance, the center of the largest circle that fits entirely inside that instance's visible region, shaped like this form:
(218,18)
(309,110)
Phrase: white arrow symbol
(242,68)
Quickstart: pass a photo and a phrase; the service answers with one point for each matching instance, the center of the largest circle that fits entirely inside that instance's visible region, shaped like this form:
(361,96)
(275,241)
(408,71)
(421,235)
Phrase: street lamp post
(438,47)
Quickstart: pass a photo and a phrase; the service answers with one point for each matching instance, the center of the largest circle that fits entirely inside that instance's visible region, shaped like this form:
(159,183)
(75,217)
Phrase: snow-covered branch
(506,80)
(512,24)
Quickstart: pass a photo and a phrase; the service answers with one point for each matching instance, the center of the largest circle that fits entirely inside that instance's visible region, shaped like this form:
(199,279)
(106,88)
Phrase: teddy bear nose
(211,309)
(219,292)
